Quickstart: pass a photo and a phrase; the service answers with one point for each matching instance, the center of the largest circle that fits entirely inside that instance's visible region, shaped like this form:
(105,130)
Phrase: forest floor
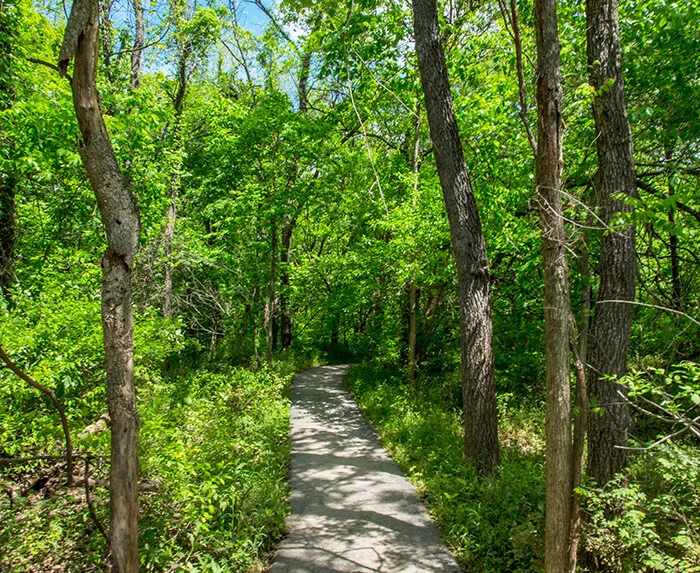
(352,509)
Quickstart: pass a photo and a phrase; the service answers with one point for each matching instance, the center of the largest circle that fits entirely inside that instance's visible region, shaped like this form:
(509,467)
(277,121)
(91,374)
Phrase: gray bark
(478,386)
(557,311)
(139,40)
(120,215)
(612,321)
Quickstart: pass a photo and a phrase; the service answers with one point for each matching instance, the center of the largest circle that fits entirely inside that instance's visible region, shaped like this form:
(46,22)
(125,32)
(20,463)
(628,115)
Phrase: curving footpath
(352,509)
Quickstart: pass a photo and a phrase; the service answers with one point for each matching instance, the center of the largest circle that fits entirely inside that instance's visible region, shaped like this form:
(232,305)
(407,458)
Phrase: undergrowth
(490,524)
(214,450)
(645,521)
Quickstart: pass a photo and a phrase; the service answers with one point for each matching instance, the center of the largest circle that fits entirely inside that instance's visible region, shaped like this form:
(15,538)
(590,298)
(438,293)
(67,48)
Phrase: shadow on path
(352,509)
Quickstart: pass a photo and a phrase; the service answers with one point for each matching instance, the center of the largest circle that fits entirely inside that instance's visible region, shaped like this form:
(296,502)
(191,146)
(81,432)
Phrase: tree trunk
(120,215)
(612,321)
(7,235)
(478,386)
(285,308)
(8,180)
(557,311)
(139,40)
(270,307)
(412,289)
(173,189)
(168,240)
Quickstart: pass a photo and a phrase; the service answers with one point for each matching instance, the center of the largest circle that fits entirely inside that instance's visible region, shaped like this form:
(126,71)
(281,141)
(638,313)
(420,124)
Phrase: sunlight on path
(352,509)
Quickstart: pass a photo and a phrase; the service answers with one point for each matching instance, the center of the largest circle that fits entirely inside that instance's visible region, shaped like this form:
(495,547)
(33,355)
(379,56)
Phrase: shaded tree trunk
(169,231)
(270,306)
(139,41)
(612,321)
(412,289)
(557,311)
(120,215)
(8,180)
(285,308)
(478,386)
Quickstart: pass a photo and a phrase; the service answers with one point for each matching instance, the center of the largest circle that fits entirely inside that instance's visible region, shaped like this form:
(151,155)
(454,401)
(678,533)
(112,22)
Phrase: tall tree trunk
(618,266)
(168,243)
(412,289)
(557,311)
(8,181)
(285,308)
(270,307)
(7,235)
(106,35)
(173,188)
(478,386)
(303,86)
(120,215)
(139,41)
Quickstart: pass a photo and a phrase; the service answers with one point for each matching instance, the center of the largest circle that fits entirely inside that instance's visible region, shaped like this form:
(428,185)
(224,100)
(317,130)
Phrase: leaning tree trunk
(120,215)
(478,386)
(612,319)
(557,311)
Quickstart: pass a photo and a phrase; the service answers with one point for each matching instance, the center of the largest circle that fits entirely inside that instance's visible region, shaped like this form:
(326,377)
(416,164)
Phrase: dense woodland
(492,209)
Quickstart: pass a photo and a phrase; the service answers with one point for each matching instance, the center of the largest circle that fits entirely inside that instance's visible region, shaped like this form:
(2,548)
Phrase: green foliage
(493,524)
(648,520)
(214,455)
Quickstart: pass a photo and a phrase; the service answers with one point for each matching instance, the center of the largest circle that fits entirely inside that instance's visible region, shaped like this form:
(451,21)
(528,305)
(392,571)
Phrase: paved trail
(352,509)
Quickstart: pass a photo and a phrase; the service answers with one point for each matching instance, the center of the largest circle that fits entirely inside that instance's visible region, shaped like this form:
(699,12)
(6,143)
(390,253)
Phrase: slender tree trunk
(557,311)
(285,308)
(478,386)
(168,240)
(676,286)
(8,180)
(173,188)
(106,35)
(612,321)
(412,289)
(270,307)
(139,41)
(303,86)
(7,235)
(120,215)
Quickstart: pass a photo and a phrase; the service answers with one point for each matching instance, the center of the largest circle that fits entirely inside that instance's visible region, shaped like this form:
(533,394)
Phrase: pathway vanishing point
(352,509)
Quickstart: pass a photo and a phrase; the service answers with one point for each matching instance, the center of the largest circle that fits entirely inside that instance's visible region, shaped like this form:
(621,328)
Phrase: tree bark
(557,311)
(285,259)
(478,386)
(412,289)
(120,215)
(612,321)
(139,41)
(270,306)
(8,180)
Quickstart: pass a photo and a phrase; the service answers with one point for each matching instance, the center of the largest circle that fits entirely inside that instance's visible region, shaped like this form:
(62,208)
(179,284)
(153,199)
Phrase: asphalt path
(352,509)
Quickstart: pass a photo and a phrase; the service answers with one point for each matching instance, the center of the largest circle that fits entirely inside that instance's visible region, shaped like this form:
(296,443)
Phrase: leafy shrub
(648,520)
